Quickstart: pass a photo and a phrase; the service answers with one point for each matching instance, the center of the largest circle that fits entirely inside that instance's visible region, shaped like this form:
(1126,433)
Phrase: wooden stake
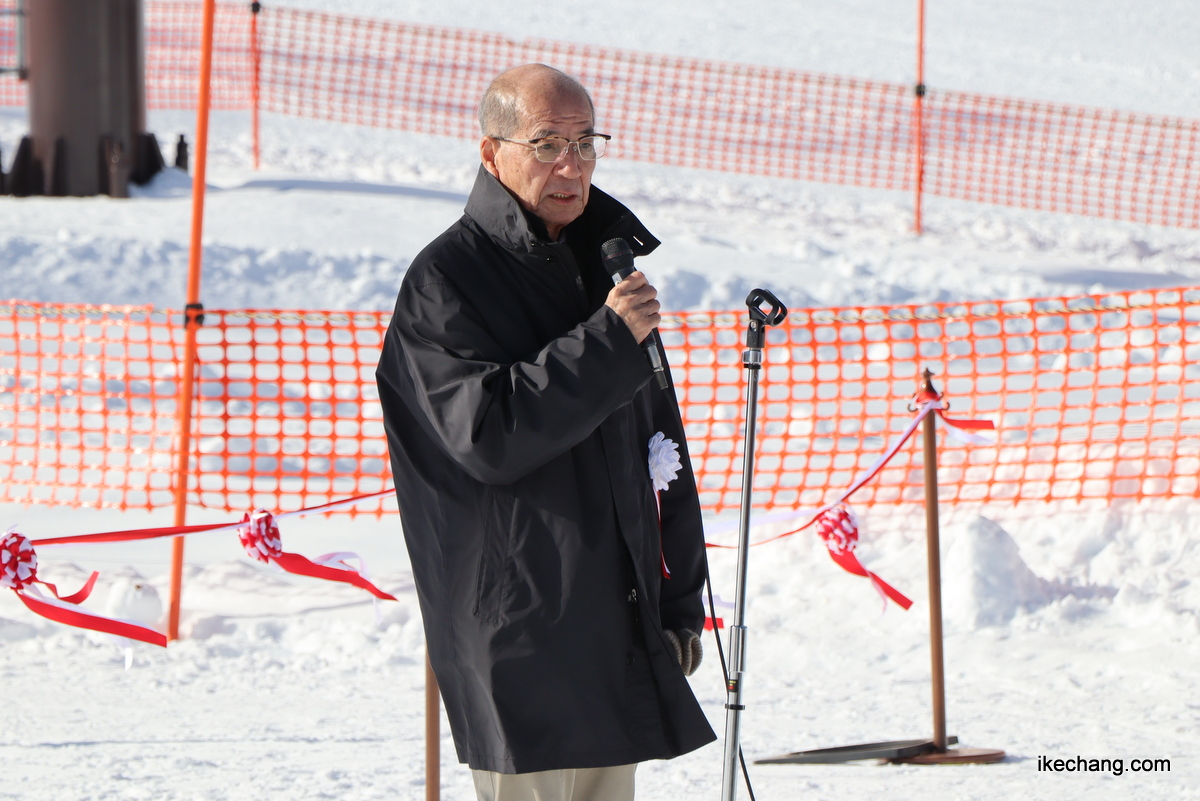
(941,753)
(433,735)
(933,547)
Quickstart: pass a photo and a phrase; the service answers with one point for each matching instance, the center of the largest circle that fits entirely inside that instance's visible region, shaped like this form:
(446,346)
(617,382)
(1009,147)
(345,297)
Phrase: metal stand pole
(752,361)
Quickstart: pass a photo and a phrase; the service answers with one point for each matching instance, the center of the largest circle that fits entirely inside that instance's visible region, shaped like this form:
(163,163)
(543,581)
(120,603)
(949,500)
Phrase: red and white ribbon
(839,529)
(930,404)
(259,535)
(18,572)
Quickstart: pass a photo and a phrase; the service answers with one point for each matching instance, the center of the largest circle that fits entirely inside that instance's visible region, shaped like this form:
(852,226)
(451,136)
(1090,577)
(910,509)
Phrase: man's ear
(487,154)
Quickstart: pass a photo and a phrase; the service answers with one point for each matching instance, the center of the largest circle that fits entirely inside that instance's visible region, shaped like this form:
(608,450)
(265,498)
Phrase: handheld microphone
(618,260)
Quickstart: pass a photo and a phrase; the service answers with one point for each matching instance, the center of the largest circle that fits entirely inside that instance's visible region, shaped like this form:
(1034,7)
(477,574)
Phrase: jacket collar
(501,217)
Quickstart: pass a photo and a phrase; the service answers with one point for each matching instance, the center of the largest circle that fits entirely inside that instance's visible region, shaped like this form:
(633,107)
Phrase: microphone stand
(756,335)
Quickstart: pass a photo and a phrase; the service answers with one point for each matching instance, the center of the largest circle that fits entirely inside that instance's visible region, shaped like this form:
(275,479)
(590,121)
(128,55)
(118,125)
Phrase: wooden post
(941,753)
(193,318)
(433,735)
(933,551)
(918,119)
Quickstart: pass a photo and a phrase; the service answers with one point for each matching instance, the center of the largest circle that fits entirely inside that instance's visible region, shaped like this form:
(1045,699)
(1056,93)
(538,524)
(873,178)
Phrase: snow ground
(1070,631)
(1076,636)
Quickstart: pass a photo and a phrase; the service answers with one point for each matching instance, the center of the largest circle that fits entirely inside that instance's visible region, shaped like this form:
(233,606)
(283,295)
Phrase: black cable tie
(919,89)
(738,707)
(199,316)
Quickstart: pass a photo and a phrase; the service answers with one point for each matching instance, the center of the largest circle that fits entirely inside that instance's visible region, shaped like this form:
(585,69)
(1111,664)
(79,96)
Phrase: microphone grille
(618,258)
(616,248)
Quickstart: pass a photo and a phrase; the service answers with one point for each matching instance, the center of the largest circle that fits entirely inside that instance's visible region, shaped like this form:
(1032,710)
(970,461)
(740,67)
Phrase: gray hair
(501,111)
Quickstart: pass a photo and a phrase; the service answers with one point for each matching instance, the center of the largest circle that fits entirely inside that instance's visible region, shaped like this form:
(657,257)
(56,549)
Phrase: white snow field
(1071,631)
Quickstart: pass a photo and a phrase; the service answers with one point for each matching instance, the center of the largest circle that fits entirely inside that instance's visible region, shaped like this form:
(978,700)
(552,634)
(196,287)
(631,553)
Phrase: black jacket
(518,411)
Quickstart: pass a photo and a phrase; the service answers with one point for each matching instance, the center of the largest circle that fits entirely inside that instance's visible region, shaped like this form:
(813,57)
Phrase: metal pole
(433,736)
(193,318)
(752,361)
(918,118)
(933,547)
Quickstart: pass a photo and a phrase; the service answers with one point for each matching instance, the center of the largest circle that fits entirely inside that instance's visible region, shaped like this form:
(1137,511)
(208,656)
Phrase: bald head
(506,101)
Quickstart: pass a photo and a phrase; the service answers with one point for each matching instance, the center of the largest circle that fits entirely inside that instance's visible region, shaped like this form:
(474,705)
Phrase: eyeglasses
(551,149)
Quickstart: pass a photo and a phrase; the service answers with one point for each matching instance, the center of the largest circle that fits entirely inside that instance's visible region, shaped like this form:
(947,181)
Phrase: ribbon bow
(259,535)
(838,528)
(18,572)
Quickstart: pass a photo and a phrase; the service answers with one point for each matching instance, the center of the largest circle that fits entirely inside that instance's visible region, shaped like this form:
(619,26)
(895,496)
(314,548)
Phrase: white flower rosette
(664,461)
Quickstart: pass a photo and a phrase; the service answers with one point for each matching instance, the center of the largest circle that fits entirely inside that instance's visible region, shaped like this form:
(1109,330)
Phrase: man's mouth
(561,196)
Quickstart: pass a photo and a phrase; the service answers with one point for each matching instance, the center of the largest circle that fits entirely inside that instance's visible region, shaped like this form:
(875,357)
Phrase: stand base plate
(955,756)
(890,749)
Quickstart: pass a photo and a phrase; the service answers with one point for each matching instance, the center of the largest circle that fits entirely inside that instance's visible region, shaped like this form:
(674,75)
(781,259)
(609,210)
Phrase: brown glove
(688,650)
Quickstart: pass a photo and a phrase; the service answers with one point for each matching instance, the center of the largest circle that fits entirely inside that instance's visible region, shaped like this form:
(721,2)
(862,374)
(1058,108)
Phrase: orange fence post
(918,119)
(256,59)
(193,316)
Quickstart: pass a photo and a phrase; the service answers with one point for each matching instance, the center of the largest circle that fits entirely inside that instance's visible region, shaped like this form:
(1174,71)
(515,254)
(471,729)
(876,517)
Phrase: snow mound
(168,182)
(985,581)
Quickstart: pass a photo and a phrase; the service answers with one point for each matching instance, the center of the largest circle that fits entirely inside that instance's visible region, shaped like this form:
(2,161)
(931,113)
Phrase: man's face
(556,193)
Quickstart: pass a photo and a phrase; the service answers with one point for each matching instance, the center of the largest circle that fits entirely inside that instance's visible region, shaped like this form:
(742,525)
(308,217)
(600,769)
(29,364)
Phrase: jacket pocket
(495,558)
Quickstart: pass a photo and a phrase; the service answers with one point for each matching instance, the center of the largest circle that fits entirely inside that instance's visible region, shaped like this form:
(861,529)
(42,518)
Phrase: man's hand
(688,651)
(634,300)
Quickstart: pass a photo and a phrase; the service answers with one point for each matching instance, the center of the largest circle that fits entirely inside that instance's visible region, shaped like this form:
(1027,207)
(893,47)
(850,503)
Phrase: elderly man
(561,599)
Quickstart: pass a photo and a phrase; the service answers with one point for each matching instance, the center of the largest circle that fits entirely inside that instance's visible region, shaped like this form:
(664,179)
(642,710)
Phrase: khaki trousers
(581,784)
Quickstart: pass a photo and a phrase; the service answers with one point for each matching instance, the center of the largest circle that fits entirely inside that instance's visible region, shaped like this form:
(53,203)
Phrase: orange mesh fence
(1054,157)
(172,36)
(1094,398)
(735,117)
(288,413)
(88,405)
(12,91)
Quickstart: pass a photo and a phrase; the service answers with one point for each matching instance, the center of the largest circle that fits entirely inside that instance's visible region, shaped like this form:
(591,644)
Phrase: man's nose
(568,164)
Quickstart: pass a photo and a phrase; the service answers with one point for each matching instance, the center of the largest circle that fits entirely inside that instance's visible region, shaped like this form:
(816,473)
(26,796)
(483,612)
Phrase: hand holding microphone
(634,299)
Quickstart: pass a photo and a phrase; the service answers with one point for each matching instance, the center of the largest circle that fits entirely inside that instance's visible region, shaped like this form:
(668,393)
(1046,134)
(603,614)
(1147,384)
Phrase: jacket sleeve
(500,420)
(680,602)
